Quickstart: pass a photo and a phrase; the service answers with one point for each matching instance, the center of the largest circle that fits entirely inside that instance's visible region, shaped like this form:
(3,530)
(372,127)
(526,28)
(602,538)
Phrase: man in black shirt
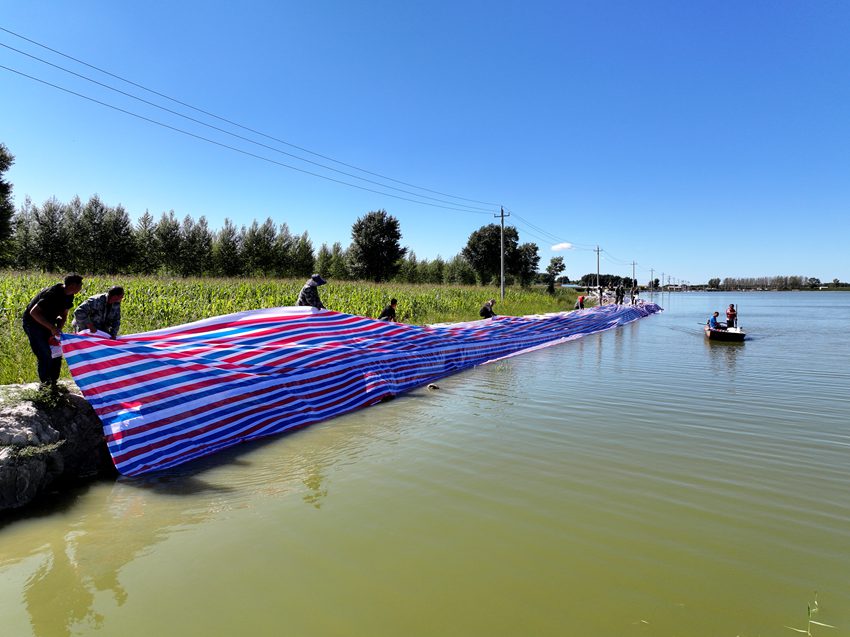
(389,312)
(43,321)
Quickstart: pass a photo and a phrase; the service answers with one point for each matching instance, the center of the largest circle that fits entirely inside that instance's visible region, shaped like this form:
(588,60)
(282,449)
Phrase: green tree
(375,247)
(50,242)
(324,260)
(813,282)
(458,271)
(555,267)
(148,255)
(7,207)
(339,263)
(89,237)
(284,252)
(195,246)
(226,251)
(168,238)
(712,283)
(432,271)
(303,258)
(483,251)
(408,270)
(259,249)
(118,251)
(73,213)
(527,260)
(24,236)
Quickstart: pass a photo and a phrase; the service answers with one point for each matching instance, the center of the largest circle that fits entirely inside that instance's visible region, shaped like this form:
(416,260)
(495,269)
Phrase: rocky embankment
(48,442)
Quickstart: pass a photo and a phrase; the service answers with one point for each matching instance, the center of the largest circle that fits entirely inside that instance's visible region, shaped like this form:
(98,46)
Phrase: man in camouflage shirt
(309,294)
(100,312)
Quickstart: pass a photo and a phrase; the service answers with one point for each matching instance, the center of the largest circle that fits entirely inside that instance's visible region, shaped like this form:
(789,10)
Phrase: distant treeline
(607,281)
(772,283)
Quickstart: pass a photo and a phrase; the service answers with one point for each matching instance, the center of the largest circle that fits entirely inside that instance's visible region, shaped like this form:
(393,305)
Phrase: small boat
(730,334)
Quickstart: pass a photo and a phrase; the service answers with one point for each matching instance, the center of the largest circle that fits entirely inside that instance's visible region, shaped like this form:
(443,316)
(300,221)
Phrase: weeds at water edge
(812,609)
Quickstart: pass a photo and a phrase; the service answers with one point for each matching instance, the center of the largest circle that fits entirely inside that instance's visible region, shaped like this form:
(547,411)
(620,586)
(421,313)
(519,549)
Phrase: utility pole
(502,245)
(598,289)
(662,285)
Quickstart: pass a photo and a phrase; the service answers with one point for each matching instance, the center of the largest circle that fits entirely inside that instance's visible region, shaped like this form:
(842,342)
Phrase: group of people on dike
(731,319)
(47,313)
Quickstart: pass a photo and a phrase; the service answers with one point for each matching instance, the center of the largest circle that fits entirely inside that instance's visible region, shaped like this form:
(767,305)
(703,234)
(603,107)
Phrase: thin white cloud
(562,246)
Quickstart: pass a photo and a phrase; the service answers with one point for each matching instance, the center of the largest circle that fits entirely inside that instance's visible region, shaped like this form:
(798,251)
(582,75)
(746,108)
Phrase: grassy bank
(153,302)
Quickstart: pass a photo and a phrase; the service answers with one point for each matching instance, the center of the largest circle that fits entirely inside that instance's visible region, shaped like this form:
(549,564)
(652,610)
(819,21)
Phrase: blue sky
(700,139)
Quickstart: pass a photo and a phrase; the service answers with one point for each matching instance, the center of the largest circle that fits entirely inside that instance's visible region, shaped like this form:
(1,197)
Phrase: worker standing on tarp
(309,294)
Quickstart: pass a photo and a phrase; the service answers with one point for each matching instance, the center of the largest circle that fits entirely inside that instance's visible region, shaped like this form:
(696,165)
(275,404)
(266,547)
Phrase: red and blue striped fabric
(169,396)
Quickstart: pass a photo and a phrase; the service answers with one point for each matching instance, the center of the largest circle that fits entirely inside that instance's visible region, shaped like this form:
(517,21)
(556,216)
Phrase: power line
(233,148)
(544,235)
(232,123)
(552,237)
(242,137)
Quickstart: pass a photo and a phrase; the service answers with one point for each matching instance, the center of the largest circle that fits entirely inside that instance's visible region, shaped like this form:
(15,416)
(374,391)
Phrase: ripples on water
(640,481)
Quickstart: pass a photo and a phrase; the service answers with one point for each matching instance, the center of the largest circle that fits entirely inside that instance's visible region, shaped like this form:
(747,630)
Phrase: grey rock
(47,447)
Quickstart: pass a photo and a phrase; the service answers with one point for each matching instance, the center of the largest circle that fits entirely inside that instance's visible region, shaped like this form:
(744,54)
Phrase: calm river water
(637,482)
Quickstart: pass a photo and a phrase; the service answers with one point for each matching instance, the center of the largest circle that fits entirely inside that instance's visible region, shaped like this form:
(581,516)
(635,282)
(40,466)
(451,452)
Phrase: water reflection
(723,358)
(82,559)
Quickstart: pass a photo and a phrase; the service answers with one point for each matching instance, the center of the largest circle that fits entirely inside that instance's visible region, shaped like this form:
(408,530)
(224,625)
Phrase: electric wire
(531,229)
(242,137)
(232,123)
(233,148)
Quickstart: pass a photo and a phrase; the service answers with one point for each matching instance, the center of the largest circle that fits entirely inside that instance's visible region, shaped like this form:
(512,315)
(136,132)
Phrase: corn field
(153,302)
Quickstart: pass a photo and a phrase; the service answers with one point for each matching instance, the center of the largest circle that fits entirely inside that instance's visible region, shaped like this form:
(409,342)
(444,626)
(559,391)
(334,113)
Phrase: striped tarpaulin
(169,396)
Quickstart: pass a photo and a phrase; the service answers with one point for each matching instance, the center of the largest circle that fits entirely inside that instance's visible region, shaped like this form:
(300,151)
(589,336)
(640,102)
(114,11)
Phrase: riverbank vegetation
(156,302)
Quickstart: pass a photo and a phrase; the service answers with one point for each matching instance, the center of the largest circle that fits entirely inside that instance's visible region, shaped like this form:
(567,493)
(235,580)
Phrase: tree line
(96,238)
(770,283)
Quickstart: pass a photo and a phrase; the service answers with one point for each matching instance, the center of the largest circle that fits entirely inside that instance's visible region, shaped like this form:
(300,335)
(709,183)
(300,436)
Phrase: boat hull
(731,335)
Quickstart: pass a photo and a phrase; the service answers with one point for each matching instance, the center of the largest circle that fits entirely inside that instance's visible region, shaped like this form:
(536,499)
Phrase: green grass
(154,302)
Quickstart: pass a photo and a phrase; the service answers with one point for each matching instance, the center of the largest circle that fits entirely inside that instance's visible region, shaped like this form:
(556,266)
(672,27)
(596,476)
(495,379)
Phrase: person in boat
(388,313)
(579,303)
(309,294)
(486,310)
(731,316)
(101,312)
(43,321)
(713,324)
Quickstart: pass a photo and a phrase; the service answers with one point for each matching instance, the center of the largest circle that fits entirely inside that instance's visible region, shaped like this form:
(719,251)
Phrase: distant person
(619,294)
(633,295)
(714,324)
(309,294)
(731,316)
(101,312)
(486,310)
(43,321)
(388,314)
(579,303)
